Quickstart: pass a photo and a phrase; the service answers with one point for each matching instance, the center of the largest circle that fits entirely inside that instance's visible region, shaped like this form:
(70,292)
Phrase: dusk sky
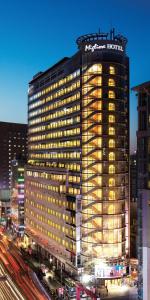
(34,34)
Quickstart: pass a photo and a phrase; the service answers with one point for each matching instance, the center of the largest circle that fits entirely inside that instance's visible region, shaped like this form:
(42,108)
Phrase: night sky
(34,34)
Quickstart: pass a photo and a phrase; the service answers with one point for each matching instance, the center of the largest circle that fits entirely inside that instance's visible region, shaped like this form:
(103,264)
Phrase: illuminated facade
(77,173)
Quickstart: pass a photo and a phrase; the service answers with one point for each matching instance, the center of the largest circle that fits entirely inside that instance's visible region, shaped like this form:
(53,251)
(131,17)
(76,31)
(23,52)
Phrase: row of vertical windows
(96,93)
(44,198)
(69,165)
(61,102)
(55,188)
(55,105)
(43,230)
(69,121)
(62,155)
(57,114)
(97,81)
(56,85)
(52,212)
(54,125)
(62,145)
(57,177)
(56,134)
(97,69)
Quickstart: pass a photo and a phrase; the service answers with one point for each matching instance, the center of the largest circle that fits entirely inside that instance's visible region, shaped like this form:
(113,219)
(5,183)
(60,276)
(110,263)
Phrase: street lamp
(86,278)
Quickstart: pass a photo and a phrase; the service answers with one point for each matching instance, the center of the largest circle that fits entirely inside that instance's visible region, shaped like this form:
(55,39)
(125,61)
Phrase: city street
(122,293)
(21,273)
(11,257)
(8,289)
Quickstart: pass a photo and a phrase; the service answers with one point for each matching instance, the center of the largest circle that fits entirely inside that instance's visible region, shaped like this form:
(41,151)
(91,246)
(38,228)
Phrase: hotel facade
(77,177)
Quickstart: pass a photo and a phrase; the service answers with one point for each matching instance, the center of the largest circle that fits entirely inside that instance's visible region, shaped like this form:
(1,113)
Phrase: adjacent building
(143,158)
(17,196)
(133,204)
(133,177)
(77,177)
(13,143)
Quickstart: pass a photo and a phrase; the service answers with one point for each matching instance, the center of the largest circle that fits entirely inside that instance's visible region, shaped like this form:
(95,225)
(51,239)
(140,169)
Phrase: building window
(111,70)
(111,143)
(111,82)
(96,68)
(111,118)
(111,106)
(148,184)
(111,131)
(112,195)
(111,156)
(96,81)
(111,94)
(110,209)
(111,169)
(111,182)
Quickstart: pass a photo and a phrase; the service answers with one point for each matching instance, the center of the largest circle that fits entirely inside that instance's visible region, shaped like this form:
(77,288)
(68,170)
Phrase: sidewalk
(118,292)
(48,280)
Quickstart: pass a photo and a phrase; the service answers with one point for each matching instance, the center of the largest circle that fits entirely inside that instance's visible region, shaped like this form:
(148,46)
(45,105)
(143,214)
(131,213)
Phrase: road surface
(19,271)
(8,289)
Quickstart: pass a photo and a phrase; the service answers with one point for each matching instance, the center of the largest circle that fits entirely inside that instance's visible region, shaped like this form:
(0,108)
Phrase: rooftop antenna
(113,32)
(99,31)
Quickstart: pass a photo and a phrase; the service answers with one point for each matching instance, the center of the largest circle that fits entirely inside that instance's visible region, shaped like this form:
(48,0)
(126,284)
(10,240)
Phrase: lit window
(111,70)
(111,130)
(111,156)
(96,81)
(111,118)
(96,93)
(111,82)
(111,209)
(111,94)
(111,106)
(111,143)
(111,182)
(112,195)
(111,169)
(148,183)
(96,68)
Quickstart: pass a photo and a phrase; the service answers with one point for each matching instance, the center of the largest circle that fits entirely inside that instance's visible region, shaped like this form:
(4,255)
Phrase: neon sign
(94,47)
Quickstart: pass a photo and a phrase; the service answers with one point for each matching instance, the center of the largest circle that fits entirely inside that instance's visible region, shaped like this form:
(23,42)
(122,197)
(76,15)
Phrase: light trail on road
(8,289)
(15,265)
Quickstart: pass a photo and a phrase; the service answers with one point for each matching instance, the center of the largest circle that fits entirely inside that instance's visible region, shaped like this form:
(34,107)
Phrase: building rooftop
(100,36)
(141,86)
(40,74)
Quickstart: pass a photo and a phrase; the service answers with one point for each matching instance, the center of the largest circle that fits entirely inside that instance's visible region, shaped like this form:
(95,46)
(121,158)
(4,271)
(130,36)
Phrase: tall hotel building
(77,177)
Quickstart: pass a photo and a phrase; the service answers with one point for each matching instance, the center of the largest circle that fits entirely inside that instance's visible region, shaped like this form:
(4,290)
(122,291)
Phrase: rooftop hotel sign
(107,46)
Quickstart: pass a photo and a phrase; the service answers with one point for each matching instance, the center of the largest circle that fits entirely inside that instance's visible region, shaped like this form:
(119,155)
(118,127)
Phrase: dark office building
(13,143)
(143,162)
(133,177)
(133,205)
(77,196)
